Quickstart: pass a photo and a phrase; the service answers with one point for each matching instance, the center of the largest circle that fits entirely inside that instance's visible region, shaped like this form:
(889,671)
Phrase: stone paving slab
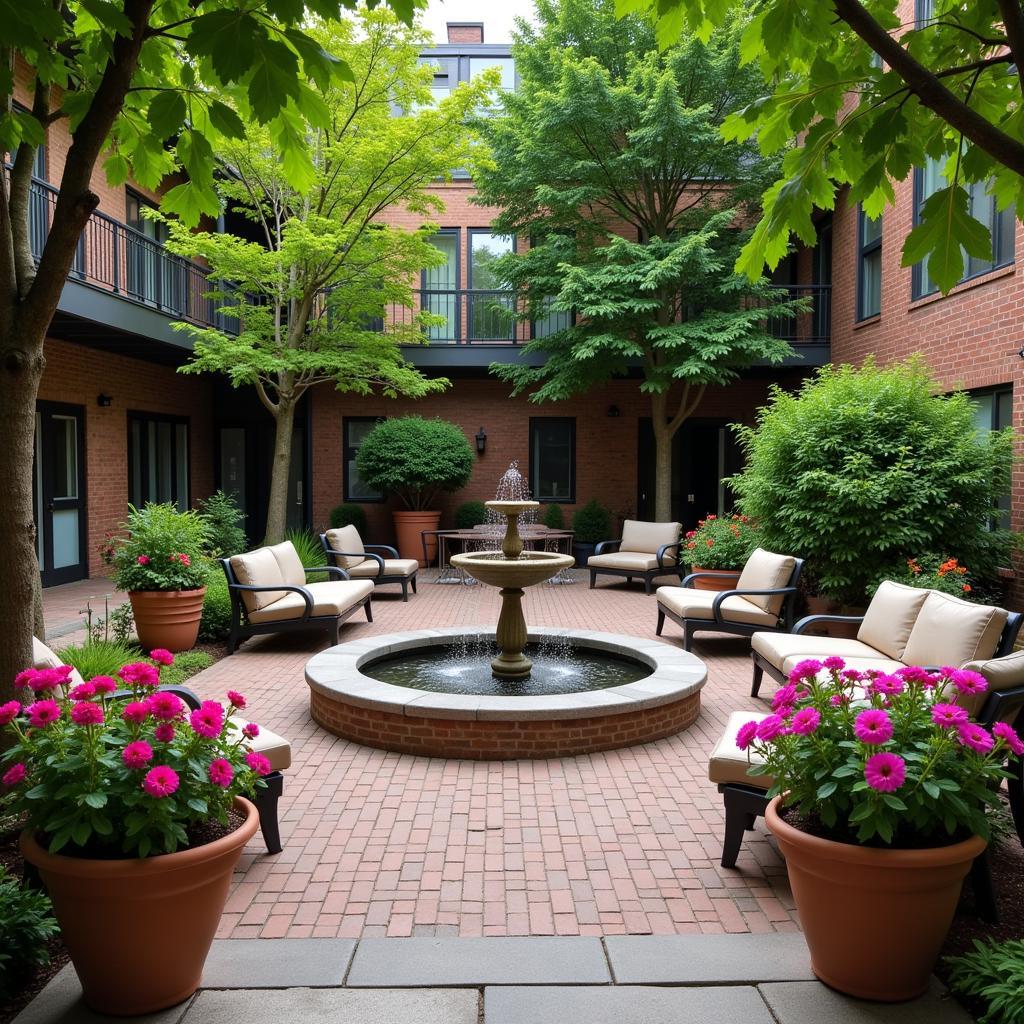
(708,959)
(277,963)
(477,962)
(810,1002)
(627,1005)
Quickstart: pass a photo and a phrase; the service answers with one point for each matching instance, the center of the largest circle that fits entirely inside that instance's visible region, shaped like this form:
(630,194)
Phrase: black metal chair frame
(676,568)
(718,623)
(242,628)
(380,578)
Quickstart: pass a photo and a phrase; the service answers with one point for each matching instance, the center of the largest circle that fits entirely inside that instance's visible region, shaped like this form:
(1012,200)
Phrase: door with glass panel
(490,302)
(441,289)
(154,275)
(59,483)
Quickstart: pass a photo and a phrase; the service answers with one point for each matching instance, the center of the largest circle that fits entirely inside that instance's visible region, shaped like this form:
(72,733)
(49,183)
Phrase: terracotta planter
(138,931)
(409,526)
(719,583)
(874,920)
(167,618)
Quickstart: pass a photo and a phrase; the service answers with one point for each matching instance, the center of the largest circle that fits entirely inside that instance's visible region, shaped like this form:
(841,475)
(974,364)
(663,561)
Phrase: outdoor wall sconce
(481,441)
(104,401)
(613,411)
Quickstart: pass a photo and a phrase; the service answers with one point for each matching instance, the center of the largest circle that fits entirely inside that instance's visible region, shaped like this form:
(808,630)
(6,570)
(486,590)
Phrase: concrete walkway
(678,979)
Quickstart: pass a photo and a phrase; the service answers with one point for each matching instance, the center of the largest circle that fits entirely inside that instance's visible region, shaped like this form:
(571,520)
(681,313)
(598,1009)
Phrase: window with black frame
(993,410)
(154,275)
(553,458)
(490,300)
(869,265)
(440,293)
(355,429)
(158,459)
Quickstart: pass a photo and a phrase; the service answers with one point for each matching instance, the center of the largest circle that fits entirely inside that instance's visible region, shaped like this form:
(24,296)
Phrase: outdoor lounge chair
(269,594)
(764,596)
(345,549)
(644,551)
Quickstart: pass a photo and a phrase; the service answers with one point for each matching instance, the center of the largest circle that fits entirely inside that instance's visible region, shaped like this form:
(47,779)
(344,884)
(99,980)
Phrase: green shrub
(186,665)
(98,657)
(935,572)
(415,459)
(994,973)
(118,625)
(216,621)
(592,523)
(863,468)
(310,552)
(26,926)
(160,549)
(349,515)
(553,517)
(225,525)
(720,543)
(470,514)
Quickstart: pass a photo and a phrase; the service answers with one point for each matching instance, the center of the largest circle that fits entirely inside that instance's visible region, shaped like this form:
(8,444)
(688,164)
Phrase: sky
(497,16)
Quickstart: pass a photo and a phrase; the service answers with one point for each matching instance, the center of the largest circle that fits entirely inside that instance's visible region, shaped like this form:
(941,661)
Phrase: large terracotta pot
(167,618)
(874,920)
(408,528)
(138,931)
(719,583)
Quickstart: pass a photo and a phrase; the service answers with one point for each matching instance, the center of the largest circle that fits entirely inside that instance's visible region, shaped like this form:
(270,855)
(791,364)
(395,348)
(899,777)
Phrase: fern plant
(26,926)
(994,973)
(310,552)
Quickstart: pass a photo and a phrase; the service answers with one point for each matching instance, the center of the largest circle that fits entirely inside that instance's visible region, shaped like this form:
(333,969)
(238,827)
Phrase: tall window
(440,288)
(924,11)
(446,76)
(355,429)
(993,410)
(553,458)
(490,303)
(153,276)
(869,267)
(158,459)
(506,65)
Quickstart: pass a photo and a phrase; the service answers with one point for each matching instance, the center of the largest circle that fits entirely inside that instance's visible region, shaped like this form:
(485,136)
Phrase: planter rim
(710,568)
(848,853)
(415,512)
(190,590)
(142,867)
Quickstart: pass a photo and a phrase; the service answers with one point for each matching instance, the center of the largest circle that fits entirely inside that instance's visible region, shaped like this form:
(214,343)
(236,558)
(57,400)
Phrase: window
(553,458)
(993,410)
(869,267)
(355,429)
(490,303)
(158,460)
(506,65)
(553,320)
(441,288)
(924,11)
(446,76)
(152,276)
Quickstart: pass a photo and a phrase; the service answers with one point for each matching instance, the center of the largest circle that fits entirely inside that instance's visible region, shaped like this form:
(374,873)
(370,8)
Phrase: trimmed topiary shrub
(865,468)
(470,514)
(592,523)
(553,518)
(216,621)
(415,459)
(349,515)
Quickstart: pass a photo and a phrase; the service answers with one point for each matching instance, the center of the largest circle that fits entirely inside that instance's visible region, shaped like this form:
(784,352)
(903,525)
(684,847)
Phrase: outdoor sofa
(345,549)
(644,551)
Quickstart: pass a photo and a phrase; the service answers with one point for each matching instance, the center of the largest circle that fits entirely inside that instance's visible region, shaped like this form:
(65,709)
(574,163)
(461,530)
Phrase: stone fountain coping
(335,674)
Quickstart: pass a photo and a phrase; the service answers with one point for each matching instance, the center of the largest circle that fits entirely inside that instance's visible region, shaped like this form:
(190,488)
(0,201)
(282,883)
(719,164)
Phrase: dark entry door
(59,486)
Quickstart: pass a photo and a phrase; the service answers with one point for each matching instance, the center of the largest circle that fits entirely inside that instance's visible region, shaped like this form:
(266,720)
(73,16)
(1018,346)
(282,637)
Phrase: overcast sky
(497,16)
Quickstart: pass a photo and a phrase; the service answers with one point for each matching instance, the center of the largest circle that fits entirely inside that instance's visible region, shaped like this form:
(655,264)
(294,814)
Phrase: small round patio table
(490,538)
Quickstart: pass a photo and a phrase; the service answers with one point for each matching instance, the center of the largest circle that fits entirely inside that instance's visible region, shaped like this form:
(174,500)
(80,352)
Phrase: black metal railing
(812,327)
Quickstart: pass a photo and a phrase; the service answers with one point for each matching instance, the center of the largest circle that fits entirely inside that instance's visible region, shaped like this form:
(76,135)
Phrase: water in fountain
(511,487)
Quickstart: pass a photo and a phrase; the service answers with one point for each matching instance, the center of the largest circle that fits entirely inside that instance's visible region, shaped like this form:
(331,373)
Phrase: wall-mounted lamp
(481,441)
(104,401)
(613,411)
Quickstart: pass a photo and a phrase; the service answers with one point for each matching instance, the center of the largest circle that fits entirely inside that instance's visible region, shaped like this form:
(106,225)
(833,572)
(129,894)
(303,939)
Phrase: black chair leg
(593,578)
(266,803)
(755,683)
(369,612)
(689,629)
(984,892)
(413,581)
(741,811)
(1015,790)
(661,622)
(405,591)
(333,633)
(647,585)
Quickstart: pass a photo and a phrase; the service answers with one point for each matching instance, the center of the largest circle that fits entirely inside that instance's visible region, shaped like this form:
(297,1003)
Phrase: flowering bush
(720,543)
(878,759)
(935,572)
(109,773)
(160,549)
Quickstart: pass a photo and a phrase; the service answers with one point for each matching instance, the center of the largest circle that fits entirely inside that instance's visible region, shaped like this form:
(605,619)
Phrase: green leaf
(231,38)
(167,113)
(96,800)
(826,790)
(226,120)
(116,168)
(320,65)
(274,79)
(108,15)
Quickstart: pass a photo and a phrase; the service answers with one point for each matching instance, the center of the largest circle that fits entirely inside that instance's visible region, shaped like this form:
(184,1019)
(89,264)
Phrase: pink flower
(143,559)
(23,679)
(208,720)
(185,560)
(104,684)
(746,735)
(164,732)
(83,691)
(968,682)
(86,713)
(805,721)
(49,678)
(852,675)
(1005,732)
(221,773)
(250,730)
(162,656)
(136,712)
(872,726)
(834,663)
(164,705)
(806,669)
(137,754)
(837,700)
(914,674)
(785,695)
(258,763)
(9,712)
(160,781)
(139,673)
(888,685)
(43,713)
(885,772)
(948,715)
(236,699)
(15,774)
(770,727)
(784,710)
(975,737)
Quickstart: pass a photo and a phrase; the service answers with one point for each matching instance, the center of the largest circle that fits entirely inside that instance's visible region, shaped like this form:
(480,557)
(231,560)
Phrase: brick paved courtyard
(381,844)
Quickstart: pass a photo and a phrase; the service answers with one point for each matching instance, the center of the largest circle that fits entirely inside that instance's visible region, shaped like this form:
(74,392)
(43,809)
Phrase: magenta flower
(806,669)
(1005,732)
(9,712)
(873,726)
(258,763)
(83,691)
(139,673)
(914,674)
(885,772)
(104,684)
(137,754)
(164,732)
(164,705)
(250,730)
(43,713)
(834,663)
(852,675)
(23,680)
(208,720)
(783,696)
(143,559)
(86,713)
(837,700)
(221,773)
(135,711)
(160,781)
(15,774)
(968,682)
(770,727)
(236,700)
(974,737)
(948,716)
(746,735)
(805,721)
(162,656)
(784,710)
(888,686)
(50,678)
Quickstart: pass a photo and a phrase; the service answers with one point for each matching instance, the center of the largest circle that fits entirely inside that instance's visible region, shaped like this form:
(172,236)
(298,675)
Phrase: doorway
(59,493)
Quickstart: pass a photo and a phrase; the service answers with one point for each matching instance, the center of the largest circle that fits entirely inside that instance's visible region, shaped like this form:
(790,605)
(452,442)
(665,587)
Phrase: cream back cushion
(1002,674)
(949,631)
(766,570)
(890,618)
(346,538)
(288,561)
(258,568)
(648,537)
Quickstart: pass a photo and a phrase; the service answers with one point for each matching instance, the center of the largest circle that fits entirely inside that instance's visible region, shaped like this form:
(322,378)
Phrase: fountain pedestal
(511,637)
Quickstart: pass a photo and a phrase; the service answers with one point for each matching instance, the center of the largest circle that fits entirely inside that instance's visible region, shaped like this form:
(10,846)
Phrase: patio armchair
(644,551)
(269,594)
(763,598)
(345,549)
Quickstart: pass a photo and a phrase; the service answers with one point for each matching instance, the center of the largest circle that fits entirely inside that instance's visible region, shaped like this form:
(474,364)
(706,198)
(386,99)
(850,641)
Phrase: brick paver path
(376,843)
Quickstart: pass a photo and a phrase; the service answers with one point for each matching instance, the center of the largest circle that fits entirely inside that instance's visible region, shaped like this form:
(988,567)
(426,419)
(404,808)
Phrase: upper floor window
(869,266)
(440,294)
(924,11)
(490,302)
(506,65)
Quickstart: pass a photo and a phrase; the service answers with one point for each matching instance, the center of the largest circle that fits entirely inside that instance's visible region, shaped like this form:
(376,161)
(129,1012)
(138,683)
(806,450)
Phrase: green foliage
(310,551)
(964,58)
(26,926)
(994,972)
(864,468)
(225,525)
(415,458)
(591,523)
(721,543)
(932,572)
(160,549)
(349,515)
(470,514)
(99,657)
(553,517)
(186,665)
(216,621)
(117,625)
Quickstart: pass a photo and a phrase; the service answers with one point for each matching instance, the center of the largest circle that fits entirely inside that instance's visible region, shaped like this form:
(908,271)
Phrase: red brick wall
(467,33)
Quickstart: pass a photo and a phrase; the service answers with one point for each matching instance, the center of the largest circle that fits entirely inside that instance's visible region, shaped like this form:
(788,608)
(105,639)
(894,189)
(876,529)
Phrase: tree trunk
(662,473)
(277,507)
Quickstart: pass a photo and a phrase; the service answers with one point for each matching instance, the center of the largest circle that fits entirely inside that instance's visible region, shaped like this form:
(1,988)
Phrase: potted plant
(158,560)
(722,545)
(134,821)
(416,459)
(591,524)
(881,787)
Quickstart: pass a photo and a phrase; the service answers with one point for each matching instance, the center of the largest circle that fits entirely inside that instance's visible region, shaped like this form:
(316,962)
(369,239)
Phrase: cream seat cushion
(392,567)
(728,763)
(775,648)
(696,604)
(1002,674)
(276,749)
(648,537)
(43,657)
(635,560)
(334,597)
(949,631)
(266,567)
(346,538)
(890,617)
(860,664)
(766,570)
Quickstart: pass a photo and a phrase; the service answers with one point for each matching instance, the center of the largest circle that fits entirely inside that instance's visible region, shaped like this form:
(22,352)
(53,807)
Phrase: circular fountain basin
(347,701)
(529,569)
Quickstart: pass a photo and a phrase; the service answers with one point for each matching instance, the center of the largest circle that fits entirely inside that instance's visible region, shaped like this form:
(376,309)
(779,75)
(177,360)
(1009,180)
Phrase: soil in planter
(842,833)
